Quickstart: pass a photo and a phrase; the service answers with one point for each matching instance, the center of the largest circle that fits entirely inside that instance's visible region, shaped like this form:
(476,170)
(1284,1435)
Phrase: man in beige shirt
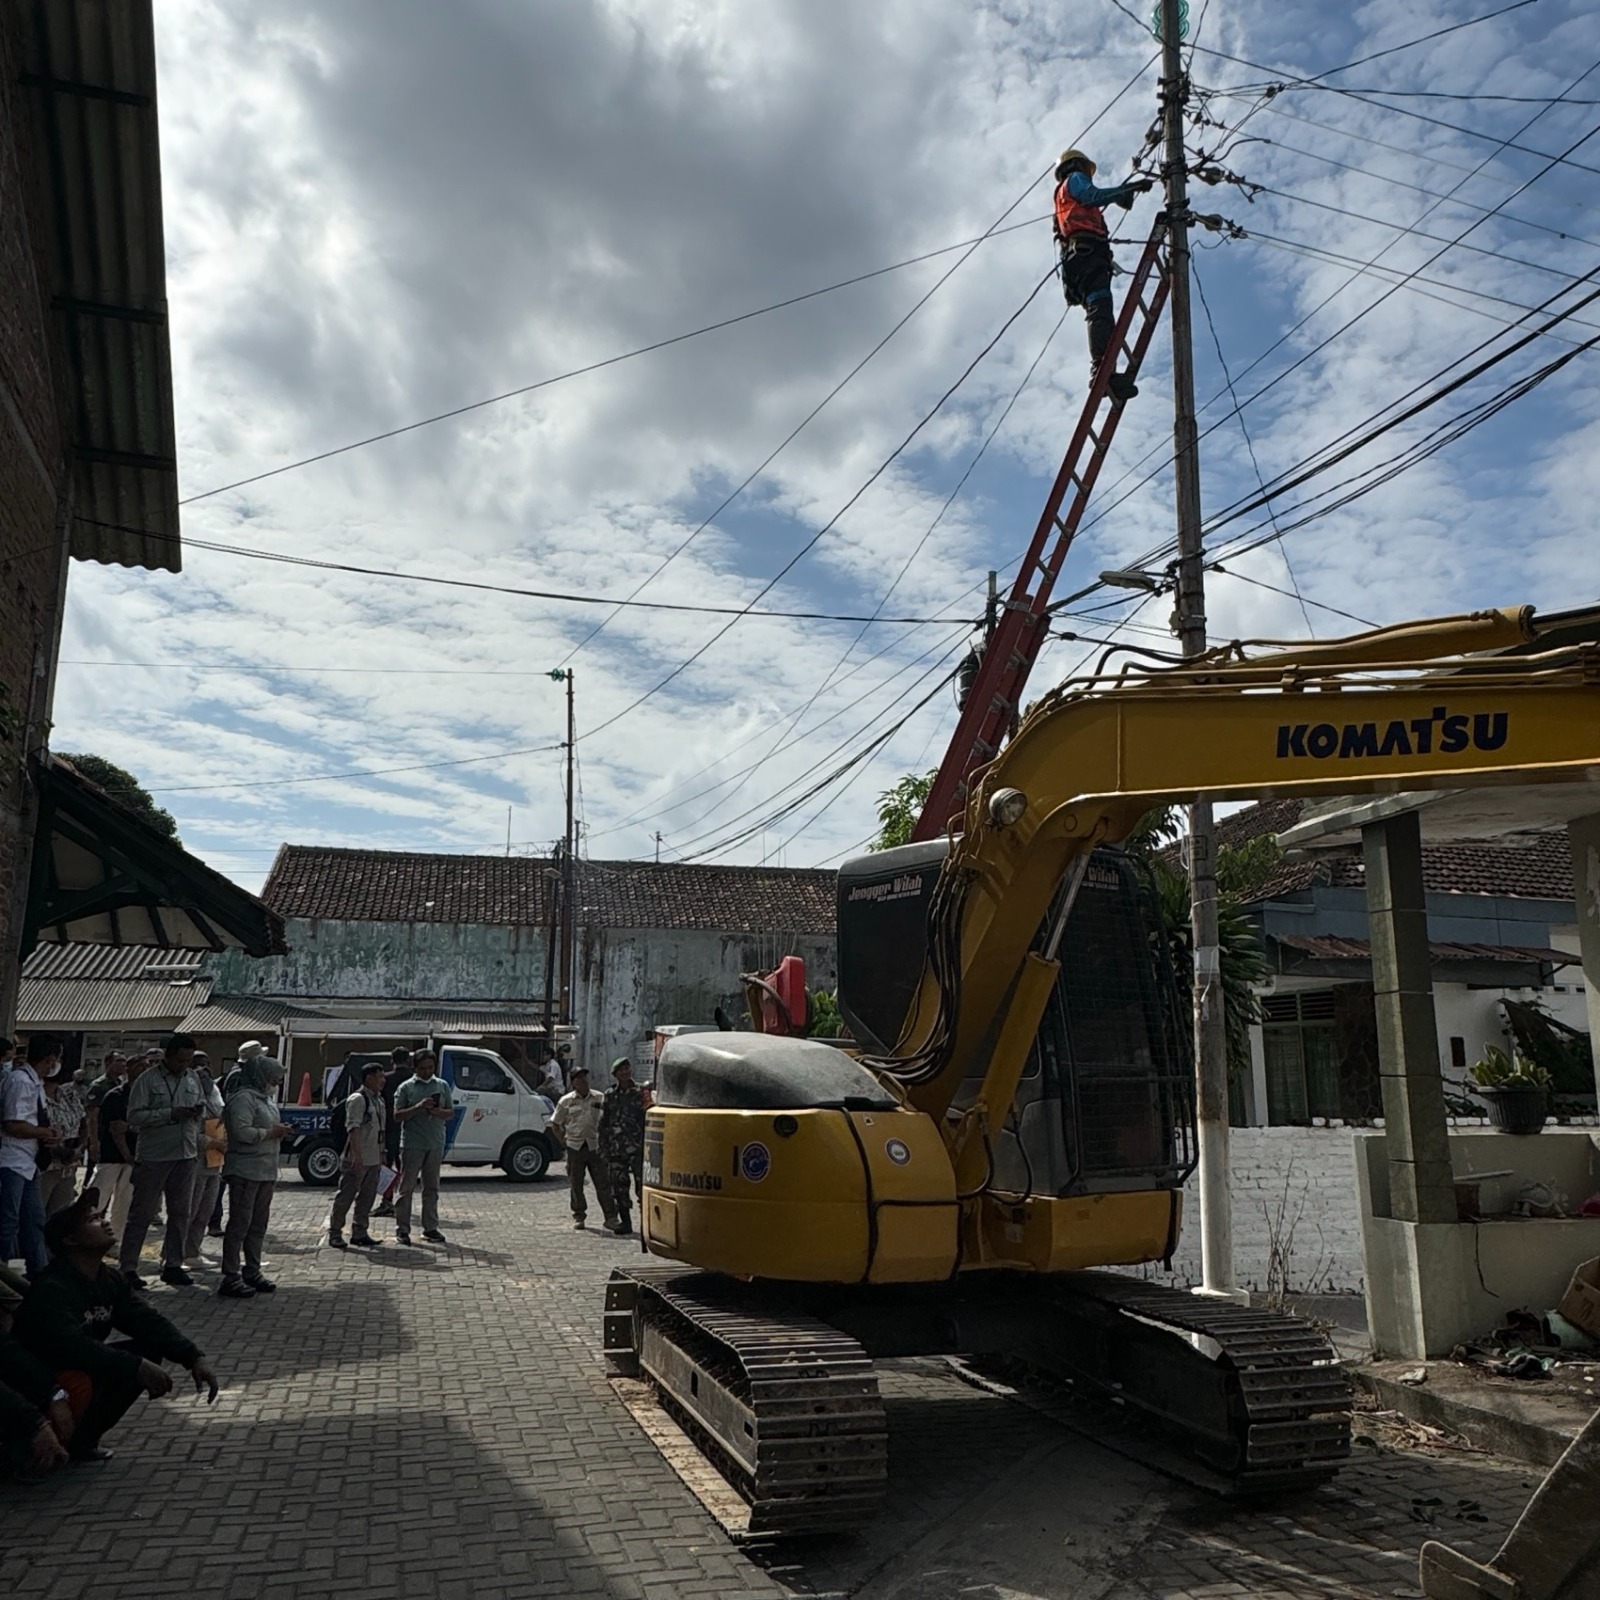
(577,1124)
(365,1119)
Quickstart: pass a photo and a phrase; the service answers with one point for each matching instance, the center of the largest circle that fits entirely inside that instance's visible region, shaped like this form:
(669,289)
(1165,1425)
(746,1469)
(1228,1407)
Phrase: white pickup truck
(499,1121)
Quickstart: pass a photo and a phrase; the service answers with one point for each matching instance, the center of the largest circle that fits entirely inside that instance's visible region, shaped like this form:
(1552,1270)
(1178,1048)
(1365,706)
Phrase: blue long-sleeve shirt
(1086,194)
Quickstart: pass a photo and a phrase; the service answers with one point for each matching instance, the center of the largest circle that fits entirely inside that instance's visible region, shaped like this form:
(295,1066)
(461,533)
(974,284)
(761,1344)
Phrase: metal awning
(89,75)
(224,1013)
(73,1005)
(102,875)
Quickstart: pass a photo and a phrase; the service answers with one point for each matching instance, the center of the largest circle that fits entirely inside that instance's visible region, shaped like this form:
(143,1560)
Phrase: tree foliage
(899,808)
(1241,870)
(126,789)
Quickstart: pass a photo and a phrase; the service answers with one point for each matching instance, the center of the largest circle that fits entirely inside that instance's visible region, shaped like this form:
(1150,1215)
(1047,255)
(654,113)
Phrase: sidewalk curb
(1483,1426)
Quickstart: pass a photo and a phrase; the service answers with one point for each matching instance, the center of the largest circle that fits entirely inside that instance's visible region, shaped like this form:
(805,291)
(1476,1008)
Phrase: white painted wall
(1287,1179)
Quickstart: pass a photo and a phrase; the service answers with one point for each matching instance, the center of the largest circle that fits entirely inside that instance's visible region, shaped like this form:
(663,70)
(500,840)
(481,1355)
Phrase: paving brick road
(435,1422)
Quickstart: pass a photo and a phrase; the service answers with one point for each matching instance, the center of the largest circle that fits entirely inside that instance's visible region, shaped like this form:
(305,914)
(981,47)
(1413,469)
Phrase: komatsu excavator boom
(1022,1108)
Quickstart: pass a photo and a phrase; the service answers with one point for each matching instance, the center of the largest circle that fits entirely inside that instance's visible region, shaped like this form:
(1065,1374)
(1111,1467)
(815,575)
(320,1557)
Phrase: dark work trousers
(100,1403)
(153,1180)
(249,1208)
(359,1184)
(586,1159)
(1086,281)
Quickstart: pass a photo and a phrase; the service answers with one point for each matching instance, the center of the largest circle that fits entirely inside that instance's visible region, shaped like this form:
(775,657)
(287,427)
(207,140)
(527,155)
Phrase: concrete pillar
(1584,836)
(1421,1183)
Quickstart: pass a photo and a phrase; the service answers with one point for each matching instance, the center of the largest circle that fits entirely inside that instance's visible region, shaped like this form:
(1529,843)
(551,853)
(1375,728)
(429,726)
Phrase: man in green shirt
(423,1106)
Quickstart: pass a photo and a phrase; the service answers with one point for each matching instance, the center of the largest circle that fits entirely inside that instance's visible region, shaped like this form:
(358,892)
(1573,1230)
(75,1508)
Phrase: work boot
(337,1241)
(260,1285)
(235,1289)
(176,1277)
(1122,386)
(363,1241)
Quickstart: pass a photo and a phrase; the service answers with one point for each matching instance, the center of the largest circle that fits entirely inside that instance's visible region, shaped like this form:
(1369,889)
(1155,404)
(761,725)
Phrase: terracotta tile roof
(644,894)
(318,882)
(1327,947)
(1538,870)
(314,882)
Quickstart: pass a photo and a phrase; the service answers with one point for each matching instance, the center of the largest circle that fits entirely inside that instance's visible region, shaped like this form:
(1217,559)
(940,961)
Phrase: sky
(387,209)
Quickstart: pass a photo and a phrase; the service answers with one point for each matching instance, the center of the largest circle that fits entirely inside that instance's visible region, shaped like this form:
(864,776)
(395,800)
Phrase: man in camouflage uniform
(622,1138)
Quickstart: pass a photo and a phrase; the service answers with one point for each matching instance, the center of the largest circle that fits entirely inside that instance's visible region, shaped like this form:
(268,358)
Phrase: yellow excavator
(1020,1116)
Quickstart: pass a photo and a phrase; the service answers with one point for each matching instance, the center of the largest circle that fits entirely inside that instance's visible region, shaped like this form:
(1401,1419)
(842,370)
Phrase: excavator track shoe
(785,1406)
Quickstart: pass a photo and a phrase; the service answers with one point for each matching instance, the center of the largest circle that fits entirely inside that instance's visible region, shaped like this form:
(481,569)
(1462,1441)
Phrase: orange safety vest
(1073,216)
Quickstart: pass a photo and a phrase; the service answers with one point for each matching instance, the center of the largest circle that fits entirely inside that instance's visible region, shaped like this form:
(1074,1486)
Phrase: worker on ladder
(1085,246)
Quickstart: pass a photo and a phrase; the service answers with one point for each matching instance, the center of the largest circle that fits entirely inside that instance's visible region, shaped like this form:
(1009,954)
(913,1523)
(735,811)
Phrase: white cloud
(377,211)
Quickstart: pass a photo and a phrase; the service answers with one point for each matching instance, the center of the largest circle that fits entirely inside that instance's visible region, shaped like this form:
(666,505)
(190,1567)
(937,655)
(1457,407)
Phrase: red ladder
(995,699)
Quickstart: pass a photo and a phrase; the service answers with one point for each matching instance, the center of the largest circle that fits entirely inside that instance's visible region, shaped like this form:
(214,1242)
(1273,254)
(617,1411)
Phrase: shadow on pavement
(387,1502)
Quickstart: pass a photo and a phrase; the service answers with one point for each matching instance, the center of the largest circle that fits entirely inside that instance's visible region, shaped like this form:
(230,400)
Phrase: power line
(848,377)
(601,365)
(340,777)
(1283,81)
(566,597)
(921,543)
(815,538)
(1249,444)
(1294,594)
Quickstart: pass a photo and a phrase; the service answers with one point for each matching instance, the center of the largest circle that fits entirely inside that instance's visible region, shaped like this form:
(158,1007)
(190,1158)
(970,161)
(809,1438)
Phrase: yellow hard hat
(1068,157)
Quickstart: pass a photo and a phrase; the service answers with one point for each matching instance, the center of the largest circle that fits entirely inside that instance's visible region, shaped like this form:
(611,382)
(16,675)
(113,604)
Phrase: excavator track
(785,1405)
(784,1401)
(1256,1397)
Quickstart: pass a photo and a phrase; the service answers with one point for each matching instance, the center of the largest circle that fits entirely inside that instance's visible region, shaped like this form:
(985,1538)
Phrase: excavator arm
(1419,707)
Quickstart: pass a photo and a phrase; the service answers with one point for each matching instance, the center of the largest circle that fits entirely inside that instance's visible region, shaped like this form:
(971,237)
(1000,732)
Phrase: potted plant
(1517,1091)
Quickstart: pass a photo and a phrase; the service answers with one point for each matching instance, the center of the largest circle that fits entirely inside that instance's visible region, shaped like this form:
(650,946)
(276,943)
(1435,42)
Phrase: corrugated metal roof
(1327,947)
(324,883)
(106,962)
(225,1013)
(90,71)
(236,1013)
(75,1004)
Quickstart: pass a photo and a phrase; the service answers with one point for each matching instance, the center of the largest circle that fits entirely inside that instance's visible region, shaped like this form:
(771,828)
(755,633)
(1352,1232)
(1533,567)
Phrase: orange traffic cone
(305,1090)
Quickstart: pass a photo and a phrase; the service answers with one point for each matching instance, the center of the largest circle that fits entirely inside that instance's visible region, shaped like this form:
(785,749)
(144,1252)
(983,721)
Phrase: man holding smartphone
(423,1107)
(165,1108)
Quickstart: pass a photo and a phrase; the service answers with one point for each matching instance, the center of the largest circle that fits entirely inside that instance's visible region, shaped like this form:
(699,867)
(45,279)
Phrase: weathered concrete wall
(421,961)
(632,979)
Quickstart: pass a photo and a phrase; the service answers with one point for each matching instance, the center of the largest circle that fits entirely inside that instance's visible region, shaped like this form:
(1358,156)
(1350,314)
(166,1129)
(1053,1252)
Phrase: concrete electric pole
(569,929)
(1210,1025)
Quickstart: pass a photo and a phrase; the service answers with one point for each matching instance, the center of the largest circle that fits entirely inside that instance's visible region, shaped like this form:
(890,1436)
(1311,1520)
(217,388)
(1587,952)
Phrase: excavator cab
(1106,1103)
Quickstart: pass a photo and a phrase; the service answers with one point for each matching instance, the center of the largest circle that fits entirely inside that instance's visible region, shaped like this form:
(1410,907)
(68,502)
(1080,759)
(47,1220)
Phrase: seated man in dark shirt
(65,1319)
(35,1423)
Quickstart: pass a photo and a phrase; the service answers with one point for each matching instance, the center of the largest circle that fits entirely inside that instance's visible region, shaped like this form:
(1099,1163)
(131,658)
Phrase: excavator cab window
(1107,1102)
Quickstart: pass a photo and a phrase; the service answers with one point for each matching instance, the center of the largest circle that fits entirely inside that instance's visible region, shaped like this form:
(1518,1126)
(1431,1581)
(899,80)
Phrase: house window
(1302,1058)
(1458,1050)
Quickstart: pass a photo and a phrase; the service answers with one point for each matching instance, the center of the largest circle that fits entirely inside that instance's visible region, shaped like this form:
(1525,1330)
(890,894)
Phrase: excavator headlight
(1006,807)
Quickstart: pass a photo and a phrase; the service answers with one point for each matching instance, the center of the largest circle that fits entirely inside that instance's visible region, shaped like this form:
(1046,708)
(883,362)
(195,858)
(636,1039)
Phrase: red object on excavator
(789,982)
(777,1000)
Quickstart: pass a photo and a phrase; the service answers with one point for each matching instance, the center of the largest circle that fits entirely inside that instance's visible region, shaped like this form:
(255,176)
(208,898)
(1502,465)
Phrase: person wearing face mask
(26,1137)
(255,1134)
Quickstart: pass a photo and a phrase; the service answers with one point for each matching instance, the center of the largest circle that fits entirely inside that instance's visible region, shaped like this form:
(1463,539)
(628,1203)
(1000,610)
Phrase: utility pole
(1210,1025)
(568,920)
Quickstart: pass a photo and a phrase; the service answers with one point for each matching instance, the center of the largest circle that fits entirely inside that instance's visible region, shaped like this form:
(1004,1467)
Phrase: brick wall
(32,566)
(1294,1184)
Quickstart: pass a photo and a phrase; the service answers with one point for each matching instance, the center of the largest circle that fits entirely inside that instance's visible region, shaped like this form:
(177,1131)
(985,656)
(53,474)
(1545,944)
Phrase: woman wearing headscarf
(255,1134)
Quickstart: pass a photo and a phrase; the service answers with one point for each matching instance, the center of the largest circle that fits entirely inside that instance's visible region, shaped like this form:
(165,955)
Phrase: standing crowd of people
(156,1140)
(154,1136)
